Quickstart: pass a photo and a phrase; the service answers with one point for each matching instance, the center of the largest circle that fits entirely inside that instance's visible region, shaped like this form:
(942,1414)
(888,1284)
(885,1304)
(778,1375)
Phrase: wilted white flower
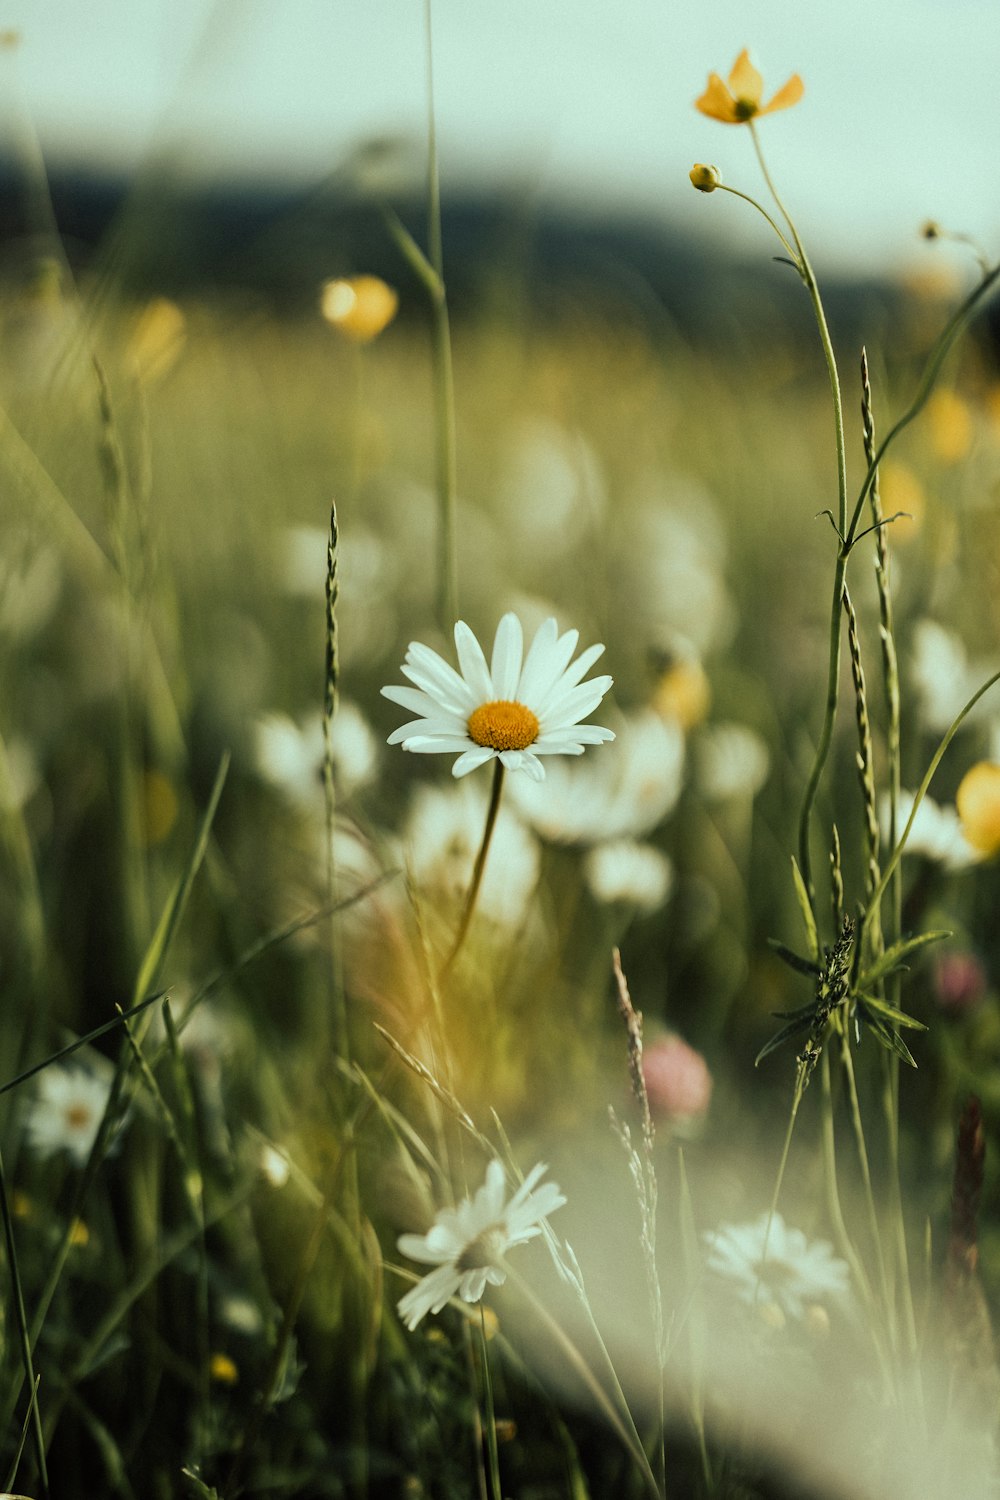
(624,794)
(733,761)
(443,834)
(290,755)
(630,872)
(936,832)
(516,709)
(67,1111)
(795,1273)
(468,1244)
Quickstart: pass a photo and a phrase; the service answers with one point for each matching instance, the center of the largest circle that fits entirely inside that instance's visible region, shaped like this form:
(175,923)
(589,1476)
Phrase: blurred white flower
(20,777)
(796,1273)
(442,837)
(627,871)
(30,582)
(550,488)
(66,1112)
(943,676)
(936,833)
(514,710)
(673,555)
(733,761)
(290,755)
(625,793)
(467,1244)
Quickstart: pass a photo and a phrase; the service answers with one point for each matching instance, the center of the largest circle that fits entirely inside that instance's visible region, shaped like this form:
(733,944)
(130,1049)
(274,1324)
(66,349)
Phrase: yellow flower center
(503,725)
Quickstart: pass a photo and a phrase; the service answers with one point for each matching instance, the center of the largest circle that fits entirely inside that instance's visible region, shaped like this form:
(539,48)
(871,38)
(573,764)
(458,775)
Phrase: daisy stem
(479,866)
(623,1425)
(491,1424)
(24,1336)
(833,674)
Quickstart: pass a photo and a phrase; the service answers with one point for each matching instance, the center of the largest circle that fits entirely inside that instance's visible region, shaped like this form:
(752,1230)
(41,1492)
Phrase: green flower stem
(491,1421)
(723,187)
(840,572)
(444,380)
(858,1128)
(936,760)
(956,325)
(478,867)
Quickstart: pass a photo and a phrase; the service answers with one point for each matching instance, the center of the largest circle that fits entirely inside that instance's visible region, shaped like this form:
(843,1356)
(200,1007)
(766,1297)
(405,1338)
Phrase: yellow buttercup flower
(705,179)
(741,101)
(950,422)
(978,803)
(359,306)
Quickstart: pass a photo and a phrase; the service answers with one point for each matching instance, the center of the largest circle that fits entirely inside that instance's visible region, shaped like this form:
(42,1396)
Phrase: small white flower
(516,709)
(290,755)
(467,1244)
(936,832)
(623,795)
(67,1112)
(796,1272)
(443,833)
(943,676)
(627,871)
(733,761)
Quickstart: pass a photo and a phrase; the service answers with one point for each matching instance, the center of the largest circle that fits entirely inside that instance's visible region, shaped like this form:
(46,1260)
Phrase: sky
(563,100)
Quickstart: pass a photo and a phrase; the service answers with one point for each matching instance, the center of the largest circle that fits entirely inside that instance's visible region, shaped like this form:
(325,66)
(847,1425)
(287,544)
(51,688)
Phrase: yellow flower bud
(705,179)
(223,1370)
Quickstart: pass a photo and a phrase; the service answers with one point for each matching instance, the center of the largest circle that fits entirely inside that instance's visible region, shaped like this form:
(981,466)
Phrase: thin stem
(833,674)
(24,1337)
(491,1421)
(623,1425)
(862,1149)
(724,188)
(444,381)
(479,866)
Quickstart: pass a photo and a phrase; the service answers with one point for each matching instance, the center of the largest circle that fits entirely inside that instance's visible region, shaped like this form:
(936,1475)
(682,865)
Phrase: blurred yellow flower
(741,101)
(156,340)
(223,1370)
(950,423)
(159,807)
(359,306)
(901,490)
(978,803)
(79,1234)
(683,694)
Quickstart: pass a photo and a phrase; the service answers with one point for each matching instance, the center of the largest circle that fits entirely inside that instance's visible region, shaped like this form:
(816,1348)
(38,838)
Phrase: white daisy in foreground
(516,709)
(796,1273)
(67,1112)
(467,1244)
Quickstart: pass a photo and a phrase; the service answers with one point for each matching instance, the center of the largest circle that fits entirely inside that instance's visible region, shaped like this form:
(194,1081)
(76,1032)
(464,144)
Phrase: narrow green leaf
(890,1039)
(893,957)
(899,1017)
(805,906)
(790,1030)
(800,965)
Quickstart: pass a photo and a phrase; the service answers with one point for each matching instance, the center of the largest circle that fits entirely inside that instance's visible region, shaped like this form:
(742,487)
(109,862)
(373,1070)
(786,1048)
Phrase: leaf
(792,1029)
(805,906)
(890,1039)
(893,957)
(800,965)
(872,1002)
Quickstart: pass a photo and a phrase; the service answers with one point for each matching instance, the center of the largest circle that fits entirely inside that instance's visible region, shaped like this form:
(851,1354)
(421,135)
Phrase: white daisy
(516,709)
(443,832)
(796,1273)
(467,1244)
(936,833)
(624,870)
(67,1112)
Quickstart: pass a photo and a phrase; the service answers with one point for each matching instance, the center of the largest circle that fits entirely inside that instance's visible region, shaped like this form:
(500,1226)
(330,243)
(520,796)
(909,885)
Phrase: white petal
(473,664)
(581,666)
(429,1295)
(416,701)
(532,766)
(537,663)
(494,1190)
(473,1284)
(567,707)
(422,728)
(472,759)
(508,648)
(416,1247)
(435,744)
(547,672)
(432,673)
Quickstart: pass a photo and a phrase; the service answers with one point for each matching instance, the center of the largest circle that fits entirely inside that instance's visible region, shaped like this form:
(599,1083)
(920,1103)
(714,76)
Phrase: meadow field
(298,1026)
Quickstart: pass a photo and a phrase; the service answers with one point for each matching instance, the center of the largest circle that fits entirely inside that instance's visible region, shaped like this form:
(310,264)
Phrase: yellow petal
(978,803)
(745,81)
(717,102)
(789,94)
